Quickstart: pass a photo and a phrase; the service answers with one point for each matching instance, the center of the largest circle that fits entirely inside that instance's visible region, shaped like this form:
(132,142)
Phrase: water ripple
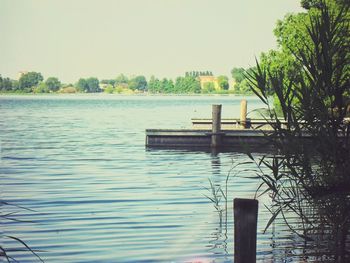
(99,196)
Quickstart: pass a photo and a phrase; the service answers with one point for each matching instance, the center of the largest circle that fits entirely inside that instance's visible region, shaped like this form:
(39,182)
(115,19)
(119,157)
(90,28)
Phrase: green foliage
(108,82)
(190,84)
(81,85)
(154,85)
(15,85)
(119,89)
(29,80)
(209,87)
(53,84)
(241,85)
(5,84)
(167,85)
(223,82)
(121,80)
(238,74)
(291,32)
(138,83)
(187,84)
(312,92)
(41,88)
(183,85)
(293,37)
(88,85)
(93,85)
(109,89)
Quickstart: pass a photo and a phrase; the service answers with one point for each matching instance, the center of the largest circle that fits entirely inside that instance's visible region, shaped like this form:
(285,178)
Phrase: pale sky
(70,39)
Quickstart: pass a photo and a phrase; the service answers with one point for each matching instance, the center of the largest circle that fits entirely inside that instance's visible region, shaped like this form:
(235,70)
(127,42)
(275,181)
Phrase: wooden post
(216,126)
(245,213)
(243,113)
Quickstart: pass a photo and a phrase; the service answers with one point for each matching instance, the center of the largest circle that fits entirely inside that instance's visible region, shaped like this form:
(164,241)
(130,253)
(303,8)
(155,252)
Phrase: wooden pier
(233,124)
(211,133)
(228,134)
(192,138)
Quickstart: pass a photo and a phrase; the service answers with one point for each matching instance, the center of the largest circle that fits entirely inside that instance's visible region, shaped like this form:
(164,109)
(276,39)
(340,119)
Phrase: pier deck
(233,124)
(180,138)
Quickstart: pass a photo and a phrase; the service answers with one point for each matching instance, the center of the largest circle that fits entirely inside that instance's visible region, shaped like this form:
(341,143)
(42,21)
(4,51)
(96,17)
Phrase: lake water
(97,195)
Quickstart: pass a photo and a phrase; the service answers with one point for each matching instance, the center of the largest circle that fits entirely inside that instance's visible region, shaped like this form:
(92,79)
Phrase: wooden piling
(245,226)
(216,126)
(243,119)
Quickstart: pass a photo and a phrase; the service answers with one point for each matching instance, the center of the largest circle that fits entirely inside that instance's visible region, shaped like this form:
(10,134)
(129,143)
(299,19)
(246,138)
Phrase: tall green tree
(314,171)
(167,85)
(223,82)
(89,85)
(5,84)
(53,84)
(209,87)
(121,79)
(138,83)
(41,88)
(82,85)
(154,85)
(238,74)
(93,84)
(29,80)
(293,37)
(108,82)
(187,84)
(240,82)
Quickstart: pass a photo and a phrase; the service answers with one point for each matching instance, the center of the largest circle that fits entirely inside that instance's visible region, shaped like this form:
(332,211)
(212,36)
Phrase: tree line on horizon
(33,82)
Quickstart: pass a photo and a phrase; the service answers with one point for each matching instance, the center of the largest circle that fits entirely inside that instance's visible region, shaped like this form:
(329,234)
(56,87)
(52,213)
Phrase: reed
(311,177)
(6,253)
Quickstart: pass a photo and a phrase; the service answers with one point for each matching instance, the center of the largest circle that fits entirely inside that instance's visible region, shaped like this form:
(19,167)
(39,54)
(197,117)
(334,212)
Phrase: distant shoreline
(126,94)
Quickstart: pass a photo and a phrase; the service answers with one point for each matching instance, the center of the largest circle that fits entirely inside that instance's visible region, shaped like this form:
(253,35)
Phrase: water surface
(79,161)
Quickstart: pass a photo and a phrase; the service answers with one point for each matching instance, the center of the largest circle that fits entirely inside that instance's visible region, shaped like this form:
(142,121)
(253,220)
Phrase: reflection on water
(96,195)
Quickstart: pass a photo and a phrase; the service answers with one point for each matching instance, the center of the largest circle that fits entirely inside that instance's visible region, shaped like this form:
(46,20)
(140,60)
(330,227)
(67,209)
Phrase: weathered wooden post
(245,212)
(243,113)
(216,126)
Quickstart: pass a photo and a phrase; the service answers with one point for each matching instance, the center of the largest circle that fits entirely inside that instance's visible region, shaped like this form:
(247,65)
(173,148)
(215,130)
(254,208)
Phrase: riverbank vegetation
(32,82)
(194,82)
(241,84)
(308,76)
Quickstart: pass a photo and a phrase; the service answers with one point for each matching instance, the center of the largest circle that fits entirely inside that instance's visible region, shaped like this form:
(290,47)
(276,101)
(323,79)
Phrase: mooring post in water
(245,212)
(243,113)
(216,128)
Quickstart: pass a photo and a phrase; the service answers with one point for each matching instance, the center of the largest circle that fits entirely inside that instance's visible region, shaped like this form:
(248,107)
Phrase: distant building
(21,73)
(209,79)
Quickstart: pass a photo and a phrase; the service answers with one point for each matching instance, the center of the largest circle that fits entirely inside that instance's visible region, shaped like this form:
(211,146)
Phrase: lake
(96,194)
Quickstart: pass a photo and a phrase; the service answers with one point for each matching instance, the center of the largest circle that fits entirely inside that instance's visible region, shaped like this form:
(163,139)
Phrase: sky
(70,39)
